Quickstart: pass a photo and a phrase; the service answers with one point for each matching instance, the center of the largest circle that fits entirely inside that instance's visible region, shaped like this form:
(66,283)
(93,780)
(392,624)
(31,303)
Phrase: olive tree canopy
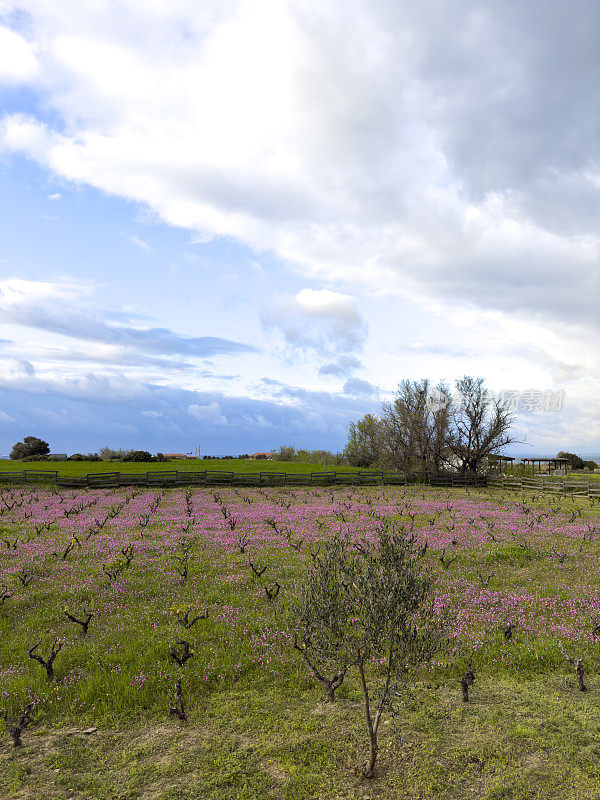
(30,446)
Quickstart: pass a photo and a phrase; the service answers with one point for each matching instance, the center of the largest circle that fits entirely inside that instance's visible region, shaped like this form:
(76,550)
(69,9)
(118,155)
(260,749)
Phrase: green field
(74,469)
(258,726)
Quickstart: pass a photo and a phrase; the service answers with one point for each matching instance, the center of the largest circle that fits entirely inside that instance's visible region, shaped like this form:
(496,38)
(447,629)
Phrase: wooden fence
(564,486)
(98,480)
(221,478)
(30,476)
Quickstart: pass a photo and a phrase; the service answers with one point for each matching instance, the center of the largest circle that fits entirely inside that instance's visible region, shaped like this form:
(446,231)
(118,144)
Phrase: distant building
(175,455)
(493,460)
(269,455)
(58,456)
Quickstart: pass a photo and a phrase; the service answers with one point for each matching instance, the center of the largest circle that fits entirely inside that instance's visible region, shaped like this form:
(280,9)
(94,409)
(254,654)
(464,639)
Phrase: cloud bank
(443,156)
(359,143)
(56,308)
(319,320)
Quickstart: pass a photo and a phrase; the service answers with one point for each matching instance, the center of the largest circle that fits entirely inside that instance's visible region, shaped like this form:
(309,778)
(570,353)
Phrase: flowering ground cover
(134,590)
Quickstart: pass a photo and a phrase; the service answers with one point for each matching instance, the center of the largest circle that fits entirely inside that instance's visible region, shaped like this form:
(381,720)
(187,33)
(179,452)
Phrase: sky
(237,225)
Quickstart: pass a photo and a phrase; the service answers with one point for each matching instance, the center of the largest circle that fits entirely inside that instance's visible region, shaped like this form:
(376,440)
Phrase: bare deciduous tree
(424,429)
(415,426)
(479,425)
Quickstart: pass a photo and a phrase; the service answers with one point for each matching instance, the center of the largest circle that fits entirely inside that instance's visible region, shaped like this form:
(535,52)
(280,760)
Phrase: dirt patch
(535,760)
(274,770)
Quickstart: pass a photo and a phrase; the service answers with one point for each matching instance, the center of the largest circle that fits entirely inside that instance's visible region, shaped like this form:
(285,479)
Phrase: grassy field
(74,469)
(577,476)
(258,724)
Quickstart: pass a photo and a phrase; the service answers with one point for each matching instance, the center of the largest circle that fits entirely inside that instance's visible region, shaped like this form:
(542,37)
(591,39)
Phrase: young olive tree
(322,617)
(30,446)
(367,607)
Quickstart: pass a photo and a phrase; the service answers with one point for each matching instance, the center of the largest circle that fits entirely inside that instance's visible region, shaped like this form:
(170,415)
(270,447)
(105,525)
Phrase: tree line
(425,428)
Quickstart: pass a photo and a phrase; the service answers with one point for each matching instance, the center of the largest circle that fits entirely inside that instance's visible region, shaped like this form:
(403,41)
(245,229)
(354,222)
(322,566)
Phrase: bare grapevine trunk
(579,673)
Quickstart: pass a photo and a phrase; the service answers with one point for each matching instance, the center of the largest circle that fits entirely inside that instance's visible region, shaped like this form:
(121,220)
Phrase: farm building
(499,463)
(554,466)
(492,461)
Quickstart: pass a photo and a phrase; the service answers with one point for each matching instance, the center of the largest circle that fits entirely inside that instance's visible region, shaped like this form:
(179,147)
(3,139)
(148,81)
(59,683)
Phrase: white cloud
(325,303)
(32,304)
(55,196)
(325,321)
(18,63)
(140,243)
(362,145)
(16,291)
(210,413)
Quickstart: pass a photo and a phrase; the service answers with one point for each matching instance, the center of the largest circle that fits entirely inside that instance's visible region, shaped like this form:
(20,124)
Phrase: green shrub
(138,455)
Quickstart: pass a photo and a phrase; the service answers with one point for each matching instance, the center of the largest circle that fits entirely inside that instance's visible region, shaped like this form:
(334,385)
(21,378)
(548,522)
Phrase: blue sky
(241,226)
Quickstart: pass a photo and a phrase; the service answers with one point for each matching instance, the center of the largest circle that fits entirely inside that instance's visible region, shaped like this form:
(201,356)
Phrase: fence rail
(30,475)
(98,480)
(564,486)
